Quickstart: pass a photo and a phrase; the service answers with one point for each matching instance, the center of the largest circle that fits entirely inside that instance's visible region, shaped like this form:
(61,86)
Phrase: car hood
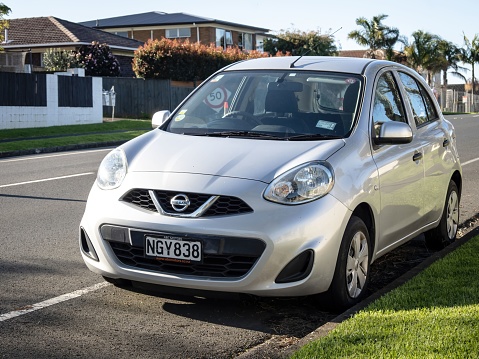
(253,159)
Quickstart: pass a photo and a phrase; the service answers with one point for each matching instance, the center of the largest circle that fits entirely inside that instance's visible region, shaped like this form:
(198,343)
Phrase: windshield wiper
(250,134)
(312,137)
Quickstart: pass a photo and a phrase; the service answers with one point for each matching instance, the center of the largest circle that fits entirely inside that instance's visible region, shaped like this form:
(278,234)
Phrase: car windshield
(290,105)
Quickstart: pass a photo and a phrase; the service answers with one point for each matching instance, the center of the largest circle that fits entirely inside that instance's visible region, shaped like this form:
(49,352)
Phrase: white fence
(457,101)
(54,112)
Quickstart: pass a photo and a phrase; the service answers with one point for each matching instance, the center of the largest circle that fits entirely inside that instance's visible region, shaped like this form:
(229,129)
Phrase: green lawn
(435,315)
(45,137)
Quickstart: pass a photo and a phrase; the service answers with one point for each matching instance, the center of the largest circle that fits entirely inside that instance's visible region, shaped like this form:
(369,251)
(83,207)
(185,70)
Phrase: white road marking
(53,301)
(46,179)
(39,157)
(470,161)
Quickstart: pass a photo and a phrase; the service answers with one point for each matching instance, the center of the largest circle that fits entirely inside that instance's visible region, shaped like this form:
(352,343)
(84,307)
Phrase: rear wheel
(445,233)
(351,276)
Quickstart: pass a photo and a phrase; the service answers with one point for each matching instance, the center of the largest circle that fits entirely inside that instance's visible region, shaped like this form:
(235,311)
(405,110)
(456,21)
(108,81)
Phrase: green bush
(57,60)
(184,61)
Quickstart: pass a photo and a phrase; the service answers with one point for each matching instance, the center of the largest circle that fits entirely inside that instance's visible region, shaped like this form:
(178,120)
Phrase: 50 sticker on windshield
(217,98)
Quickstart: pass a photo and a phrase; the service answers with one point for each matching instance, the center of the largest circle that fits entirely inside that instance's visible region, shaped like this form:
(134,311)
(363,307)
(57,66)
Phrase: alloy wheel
(452,214)
(357,264)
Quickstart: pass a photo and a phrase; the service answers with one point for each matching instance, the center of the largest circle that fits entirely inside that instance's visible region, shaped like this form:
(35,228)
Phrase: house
(157,25)
(27,39)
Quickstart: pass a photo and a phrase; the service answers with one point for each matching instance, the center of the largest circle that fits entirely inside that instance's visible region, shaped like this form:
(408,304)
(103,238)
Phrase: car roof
(305,63)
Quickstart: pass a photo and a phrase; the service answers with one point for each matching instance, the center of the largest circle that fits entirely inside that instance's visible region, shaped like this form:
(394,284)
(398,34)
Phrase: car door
(400,168)
(434,141)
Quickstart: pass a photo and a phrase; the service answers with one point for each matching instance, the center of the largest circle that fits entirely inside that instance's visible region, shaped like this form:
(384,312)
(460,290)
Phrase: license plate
(173,249)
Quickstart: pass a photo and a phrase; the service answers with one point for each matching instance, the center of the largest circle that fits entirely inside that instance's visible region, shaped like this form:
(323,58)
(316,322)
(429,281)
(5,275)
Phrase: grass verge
(434,315)
(47,137)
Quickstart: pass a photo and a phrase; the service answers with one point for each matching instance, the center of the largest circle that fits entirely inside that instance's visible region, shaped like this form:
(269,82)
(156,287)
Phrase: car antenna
(307,52)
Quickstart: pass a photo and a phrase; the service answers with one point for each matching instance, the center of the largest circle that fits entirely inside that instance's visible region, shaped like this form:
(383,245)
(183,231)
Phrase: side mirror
(159,118)
(394,133)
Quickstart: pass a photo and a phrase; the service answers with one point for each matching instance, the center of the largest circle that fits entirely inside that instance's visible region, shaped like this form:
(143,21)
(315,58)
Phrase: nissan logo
(180,202)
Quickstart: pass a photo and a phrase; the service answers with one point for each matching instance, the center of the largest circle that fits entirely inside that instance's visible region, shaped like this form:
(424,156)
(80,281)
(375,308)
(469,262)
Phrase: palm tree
(470,55)
(375,35)
(422,54)
(450,54)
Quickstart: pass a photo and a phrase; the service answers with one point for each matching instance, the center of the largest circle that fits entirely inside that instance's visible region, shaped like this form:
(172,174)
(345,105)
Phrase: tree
(297,42)
(97,60)
(450,54)
(375,35)
(470,55)
(4,10)
(422,54)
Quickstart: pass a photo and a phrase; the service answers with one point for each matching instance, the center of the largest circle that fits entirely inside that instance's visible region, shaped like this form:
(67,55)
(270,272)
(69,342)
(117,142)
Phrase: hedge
(184,61)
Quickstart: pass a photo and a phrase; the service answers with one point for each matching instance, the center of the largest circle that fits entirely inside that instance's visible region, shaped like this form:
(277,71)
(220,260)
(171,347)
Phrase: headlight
(112,170)
(301,184)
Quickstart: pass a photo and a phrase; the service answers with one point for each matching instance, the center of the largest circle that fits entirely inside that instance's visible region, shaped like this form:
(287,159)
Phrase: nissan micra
(279,176)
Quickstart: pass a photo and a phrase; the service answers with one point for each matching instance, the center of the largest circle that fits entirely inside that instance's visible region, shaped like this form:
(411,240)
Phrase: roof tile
(51,30)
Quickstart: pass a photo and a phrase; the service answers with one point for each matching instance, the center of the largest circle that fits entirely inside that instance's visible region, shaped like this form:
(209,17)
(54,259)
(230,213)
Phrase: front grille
(140,198)
(221,266)
(221,206)
(223,257)
(196,200)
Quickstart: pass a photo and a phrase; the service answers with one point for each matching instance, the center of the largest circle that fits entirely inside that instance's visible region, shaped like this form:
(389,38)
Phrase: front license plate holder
(173,249)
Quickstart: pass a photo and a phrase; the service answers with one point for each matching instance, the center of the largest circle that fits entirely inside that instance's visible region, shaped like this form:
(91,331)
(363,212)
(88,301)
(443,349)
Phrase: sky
(450,20)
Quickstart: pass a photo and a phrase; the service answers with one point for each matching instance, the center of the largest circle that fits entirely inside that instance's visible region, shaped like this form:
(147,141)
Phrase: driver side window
(387,105)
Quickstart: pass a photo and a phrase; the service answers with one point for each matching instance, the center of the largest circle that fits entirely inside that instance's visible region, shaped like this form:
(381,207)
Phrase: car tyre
(351,276)
(446,232)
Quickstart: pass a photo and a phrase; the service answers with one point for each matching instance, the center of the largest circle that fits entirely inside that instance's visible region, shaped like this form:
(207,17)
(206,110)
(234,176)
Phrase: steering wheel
(248,117)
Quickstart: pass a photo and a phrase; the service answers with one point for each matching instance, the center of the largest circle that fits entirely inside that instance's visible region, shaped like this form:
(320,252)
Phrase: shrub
(57,60)
(97,60)
(184,61)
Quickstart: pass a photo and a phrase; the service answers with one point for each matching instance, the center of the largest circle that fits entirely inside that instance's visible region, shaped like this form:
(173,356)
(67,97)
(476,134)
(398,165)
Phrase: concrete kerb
(37,151)
(261,350)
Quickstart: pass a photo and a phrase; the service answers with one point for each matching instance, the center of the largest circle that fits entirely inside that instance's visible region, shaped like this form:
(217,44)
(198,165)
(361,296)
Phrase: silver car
(279,176)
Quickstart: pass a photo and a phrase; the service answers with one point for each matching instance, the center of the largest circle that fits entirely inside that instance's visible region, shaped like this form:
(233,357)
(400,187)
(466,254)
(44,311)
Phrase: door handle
(446,143)
(417,156)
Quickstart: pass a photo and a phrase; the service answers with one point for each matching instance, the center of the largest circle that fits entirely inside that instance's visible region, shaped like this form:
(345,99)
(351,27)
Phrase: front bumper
(272,235)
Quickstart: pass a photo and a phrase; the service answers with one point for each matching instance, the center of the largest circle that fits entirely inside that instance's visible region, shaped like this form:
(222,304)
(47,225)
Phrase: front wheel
(351,276)
(445,233)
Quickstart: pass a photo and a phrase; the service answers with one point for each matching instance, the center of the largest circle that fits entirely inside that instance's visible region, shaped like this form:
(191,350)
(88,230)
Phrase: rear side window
(421,103)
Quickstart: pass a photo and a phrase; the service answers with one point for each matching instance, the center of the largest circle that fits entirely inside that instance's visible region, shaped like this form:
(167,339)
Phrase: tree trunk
(444,90)
(473,105)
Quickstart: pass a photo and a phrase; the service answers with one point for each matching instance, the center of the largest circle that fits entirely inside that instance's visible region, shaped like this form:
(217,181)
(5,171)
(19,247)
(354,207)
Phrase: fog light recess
(86,246)
(298,269)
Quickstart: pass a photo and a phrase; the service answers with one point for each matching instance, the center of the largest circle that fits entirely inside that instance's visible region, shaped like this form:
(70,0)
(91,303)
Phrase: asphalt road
(51,306)
(467,131)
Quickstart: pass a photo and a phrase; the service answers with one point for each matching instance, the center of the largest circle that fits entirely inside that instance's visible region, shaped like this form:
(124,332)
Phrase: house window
(178,32)
(224,38)
(245,41)
(122,33)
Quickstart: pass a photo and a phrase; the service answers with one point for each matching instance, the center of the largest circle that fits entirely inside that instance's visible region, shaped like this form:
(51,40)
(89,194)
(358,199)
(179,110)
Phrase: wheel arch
(364,211)
(457,178)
